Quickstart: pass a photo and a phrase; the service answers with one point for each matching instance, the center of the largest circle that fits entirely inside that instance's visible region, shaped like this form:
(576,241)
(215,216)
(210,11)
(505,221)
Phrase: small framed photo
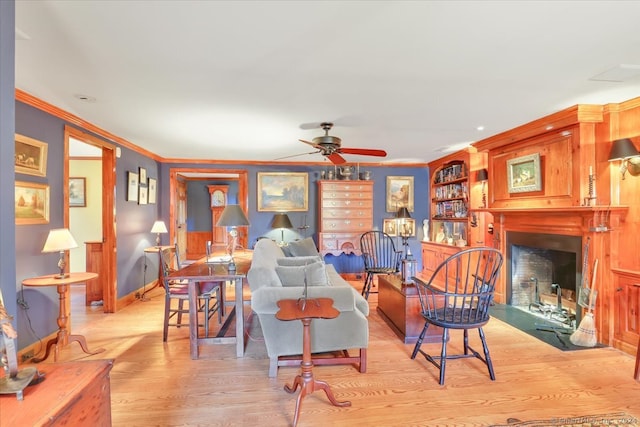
(30,156)
(524,174)
(132,187)
(31,203)
(399,193)
(143,195)
(143,176)
(77,192)
(152,190)
(390,226)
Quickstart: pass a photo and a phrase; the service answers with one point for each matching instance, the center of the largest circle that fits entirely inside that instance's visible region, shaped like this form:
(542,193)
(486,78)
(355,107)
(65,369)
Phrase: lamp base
(61,276)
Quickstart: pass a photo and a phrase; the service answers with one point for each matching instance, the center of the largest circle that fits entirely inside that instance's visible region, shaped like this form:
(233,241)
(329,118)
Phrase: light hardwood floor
(156,383)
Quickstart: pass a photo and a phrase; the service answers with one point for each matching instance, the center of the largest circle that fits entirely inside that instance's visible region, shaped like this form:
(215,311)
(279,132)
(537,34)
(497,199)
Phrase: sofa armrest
(265,299)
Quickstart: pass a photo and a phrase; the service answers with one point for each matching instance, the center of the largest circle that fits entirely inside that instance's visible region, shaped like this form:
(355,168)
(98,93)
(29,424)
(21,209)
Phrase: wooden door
(181,218)
(94,291)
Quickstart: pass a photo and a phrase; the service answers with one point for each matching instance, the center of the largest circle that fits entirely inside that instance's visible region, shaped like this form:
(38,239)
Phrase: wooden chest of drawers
(346,211)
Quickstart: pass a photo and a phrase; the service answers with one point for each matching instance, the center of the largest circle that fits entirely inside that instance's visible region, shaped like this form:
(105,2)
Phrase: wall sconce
(281,220)
(483,175)
(623,149)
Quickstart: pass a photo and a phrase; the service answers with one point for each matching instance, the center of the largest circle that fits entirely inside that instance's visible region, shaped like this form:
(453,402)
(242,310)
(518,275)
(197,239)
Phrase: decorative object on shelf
(406,228)
(158,228)
(591,197)
(233,216)
(483,175)
(425,230)
(281,220)
(132,187)
(31,203)
(30,156)
(399,193)
(143,176)
(283,191)
(59,240)
(625,150)
(77,192)
(346,172)
(153,189)
(524,174)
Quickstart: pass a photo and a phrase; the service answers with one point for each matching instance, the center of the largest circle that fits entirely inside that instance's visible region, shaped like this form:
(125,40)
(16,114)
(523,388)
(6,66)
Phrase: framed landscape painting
(30,156)
(283,191)
(77,192)
(524,174)
(31,203)
(399,193)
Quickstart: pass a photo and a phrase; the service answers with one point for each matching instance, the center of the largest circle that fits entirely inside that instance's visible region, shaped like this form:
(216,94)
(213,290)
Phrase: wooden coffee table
(399,306)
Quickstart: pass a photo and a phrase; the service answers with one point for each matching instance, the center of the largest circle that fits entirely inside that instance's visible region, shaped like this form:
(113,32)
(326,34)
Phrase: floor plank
(156,383)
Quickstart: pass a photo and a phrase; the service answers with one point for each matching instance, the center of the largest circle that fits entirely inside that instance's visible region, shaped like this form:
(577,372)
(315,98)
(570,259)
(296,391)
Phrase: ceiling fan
(331,147)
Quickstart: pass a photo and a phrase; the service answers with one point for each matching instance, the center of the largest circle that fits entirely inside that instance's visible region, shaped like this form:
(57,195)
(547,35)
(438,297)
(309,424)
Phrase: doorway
(96,238)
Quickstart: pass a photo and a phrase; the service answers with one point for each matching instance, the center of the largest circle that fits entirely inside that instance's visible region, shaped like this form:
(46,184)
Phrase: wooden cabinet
(627,310)
(74,393)
(433,254)
(346,211)
(94,288)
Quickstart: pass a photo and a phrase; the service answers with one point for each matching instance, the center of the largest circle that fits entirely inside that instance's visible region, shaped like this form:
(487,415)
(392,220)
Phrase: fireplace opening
(544,273)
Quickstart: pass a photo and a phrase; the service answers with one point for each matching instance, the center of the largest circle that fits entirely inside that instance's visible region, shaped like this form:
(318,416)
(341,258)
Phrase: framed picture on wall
(143,176)
(390,226)
(143,195)
(132,187)
(31,203)
(77,192)
(30,156)
(152,190)
(283,191)
(399,193)
(524,174)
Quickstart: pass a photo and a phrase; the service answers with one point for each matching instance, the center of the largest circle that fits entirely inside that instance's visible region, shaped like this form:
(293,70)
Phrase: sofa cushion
(298,260)
(304,247)
(295,275)
(260,275)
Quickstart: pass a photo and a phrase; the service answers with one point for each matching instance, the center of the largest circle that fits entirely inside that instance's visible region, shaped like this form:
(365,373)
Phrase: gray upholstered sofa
(273,277)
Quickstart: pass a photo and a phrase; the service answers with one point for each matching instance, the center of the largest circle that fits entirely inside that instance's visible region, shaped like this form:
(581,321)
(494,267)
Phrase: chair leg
(466,341)
(207,299)
(180,310)
(368,278)
(165,331)
(487,357)
(416,348)
(443,354)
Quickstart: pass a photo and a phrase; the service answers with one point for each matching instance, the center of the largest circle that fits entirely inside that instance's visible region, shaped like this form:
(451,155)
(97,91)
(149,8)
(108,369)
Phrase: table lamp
(158,227)
(232,216)
(281,220)
(404,228)
(60,240)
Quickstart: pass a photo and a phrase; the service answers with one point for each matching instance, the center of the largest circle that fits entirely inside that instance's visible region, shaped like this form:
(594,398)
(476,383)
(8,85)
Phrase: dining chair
(210,298)
(458,296)
(380,257)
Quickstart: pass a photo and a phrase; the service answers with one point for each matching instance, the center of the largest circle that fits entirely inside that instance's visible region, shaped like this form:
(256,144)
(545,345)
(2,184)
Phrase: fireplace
(544,274)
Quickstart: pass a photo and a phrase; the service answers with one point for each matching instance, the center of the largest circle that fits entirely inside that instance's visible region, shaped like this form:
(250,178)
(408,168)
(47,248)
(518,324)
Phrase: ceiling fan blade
(336,158)
(364,152)
(296,155)
(310,143)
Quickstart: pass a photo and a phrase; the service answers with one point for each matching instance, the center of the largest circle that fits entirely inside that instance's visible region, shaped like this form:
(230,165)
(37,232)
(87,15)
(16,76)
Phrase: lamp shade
(622,149)
(159,227)
(403,213)
(281,220)
(232,216)
(58,240)
(482,175)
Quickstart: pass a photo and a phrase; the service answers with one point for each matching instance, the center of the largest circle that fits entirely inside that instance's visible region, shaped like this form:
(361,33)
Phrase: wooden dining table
(203,271)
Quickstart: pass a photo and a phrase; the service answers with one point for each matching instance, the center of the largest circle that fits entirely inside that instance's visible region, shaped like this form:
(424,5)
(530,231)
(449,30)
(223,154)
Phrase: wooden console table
(307,310)
(74,393)
(399,306)
(63,336)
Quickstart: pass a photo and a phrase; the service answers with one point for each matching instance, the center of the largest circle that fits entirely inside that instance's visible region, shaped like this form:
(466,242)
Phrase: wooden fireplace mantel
(557,210)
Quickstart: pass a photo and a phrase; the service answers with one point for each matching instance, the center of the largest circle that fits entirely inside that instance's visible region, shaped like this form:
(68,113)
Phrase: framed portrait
(31,203)
(77,192)
(399,193)
(390,226)
(152,190)
(407,227)
(524,174)
(283,191)
(143,176)
(132,187)
(30,156)
(143,195)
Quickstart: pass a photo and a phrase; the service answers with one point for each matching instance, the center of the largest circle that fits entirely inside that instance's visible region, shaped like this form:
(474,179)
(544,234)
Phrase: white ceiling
(235,80)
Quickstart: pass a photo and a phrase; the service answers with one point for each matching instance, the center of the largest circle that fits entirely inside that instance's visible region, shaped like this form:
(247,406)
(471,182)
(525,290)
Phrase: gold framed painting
(390,226)
(31,203)
(77,192)
(283,191)
(524,174)
(399,193)
(30,156)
